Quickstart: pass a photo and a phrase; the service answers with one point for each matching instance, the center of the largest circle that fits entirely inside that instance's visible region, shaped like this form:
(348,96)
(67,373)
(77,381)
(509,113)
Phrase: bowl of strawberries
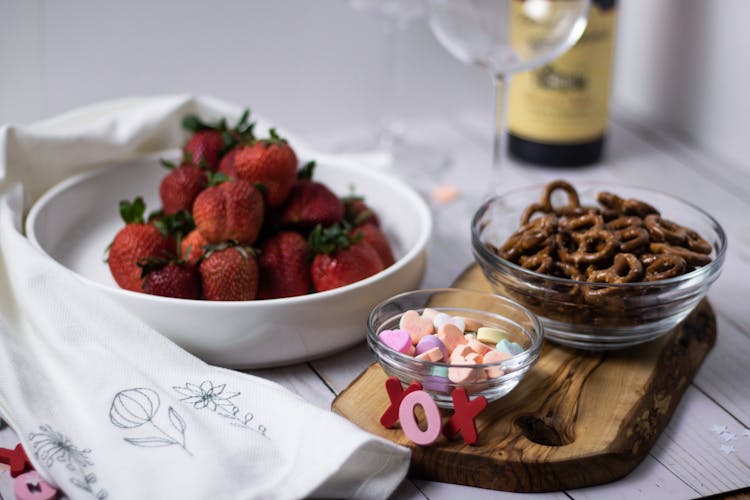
(236,249)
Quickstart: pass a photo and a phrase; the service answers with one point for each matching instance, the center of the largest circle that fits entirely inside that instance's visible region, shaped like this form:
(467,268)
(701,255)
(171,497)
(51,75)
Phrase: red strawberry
(229,274)
(271,162)
(356,212)
(205,147)
(226,165)
(133,243)
(311,203)
(208,142)
(284,266)
(377,240)
(174,279)
(194,241)
(231,211)
(180,187)
(340,260)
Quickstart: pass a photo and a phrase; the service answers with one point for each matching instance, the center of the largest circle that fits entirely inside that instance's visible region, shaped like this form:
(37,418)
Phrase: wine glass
(391,148)
(506,37)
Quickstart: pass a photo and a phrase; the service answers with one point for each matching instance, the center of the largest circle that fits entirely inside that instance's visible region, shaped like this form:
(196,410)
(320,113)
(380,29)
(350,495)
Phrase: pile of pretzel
(622,241)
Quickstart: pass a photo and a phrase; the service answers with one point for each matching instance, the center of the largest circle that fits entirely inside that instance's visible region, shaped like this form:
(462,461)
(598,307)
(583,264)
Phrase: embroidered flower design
(50,446)
(217,399)
(53,447)
(207,395)
(133,408)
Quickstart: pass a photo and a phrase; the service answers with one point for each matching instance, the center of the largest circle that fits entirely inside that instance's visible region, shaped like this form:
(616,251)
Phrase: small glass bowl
(489,309)
(628,313)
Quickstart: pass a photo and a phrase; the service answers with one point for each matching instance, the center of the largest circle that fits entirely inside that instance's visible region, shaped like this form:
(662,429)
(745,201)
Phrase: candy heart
(416,325)
(429,342)
(451,336)
(398,340)
(508,347)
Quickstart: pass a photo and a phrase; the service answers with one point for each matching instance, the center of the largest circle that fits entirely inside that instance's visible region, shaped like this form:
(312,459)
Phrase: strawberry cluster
(240,220)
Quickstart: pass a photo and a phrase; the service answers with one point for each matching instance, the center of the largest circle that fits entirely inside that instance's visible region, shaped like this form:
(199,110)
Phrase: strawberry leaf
(307,170)
(177,224)
(216,178)
(331,238)
(132,212)
(168,164)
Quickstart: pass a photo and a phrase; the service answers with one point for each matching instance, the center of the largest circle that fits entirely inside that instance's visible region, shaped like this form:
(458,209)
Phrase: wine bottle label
(567,100)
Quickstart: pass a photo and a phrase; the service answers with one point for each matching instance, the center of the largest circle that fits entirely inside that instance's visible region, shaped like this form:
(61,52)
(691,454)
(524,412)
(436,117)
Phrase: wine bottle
(557,114)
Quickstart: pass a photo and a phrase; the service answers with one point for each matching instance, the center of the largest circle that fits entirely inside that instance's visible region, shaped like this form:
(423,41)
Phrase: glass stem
(498,145)
(388,133)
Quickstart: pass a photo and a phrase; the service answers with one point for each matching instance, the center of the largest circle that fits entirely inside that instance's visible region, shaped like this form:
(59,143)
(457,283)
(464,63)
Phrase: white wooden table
(691,458)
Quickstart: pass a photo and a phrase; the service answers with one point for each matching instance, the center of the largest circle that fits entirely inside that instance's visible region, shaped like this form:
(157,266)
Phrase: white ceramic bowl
(75,221)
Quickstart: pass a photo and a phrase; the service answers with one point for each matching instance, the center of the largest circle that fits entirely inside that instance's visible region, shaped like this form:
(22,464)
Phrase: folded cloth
(105,406)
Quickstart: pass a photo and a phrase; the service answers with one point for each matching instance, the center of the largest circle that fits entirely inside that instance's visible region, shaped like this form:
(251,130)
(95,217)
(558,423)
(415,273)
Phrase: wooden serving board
(577,419)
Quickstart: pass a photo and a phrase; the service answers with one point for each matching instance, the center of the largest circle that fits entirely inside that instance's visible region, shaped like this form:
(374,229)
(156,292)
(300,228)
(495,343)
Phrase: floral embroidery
(133,408)
(52,447)
(217,399)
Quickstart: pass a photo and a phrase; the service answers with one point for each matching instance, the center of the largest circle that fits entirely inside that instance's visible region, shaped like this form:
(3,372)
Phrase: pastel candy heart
(509,347)
(460,352)
(434,355)
(471,324)
(429,313)
(495,357)
(398,340)
(462,372)
(451,336)
(490,335)
(477,346)
(440,319)
(416,325)
(430,342)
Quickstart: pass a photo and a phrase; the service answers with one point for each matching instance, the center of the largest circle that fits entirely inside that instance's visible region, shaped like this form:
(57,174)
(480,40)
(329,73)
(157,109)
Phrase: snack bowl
(596,316)
(491,380)
(74,222)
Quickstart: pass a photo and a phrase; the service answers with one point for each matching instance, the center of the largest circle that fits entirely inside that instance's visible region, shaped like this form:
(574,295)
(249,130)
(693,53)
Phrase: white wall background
(315,65)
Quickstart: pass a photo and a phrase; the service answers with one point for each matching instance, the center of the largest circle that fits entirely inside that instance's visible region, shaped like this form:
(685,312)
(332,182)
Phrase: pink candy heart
(398,340)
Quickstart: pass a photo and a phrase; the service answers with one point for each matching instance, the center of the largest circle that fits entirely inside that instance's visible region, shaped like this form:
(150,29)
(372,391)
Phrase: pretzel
(665,266)
(610,201)
(665,230)
(526,242)
(567,271)
(626,268)
(640,208)
(531,210)
(623,222)
(633,239)
(592,247)
(582,223)
(541,262)
(693,258)
(573,200)
(696,243)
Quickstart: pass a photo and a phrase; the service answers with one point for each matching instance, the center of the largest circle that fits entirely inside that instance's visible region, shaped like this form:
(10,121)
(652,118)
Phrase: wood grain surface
(577,419)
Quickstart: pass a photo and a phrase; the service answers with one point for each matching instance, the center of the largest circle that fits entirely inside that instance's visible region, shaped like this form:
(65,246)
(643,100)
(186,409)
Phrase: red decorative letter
(17,460)
(465,412)
(396,394)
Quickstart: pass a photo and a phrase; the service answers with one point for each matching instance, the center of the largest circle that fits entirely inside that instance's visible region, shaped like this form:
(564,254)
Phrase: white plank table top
(691,458)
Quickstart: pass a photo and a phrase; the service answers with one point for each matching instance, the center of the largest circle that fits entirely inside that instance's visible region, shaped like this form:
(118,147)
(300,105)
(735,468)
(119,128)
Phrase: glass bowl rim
(497,261)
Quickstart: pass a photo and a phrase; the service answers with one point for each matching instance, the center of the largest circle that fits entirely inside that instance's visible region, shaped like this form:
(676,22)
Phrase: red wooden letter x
(465,412)
(17,460)
(396,394)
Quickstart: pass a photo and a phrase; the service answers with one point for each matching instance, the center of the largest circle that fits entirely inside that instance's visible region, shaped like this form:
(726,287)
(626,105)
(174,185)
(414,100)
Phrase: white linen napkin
(106,406)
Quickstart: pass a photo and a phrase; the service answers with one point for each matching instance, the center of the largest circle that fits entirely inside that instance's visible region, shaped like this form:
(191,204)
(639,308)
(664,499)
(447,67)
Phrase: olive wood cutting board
(577,419)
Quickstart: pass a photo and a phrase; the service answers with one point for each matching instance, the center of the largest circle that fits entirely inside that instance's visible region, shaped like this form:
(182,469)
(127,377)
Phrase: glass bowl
(496,380)
(596,316)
